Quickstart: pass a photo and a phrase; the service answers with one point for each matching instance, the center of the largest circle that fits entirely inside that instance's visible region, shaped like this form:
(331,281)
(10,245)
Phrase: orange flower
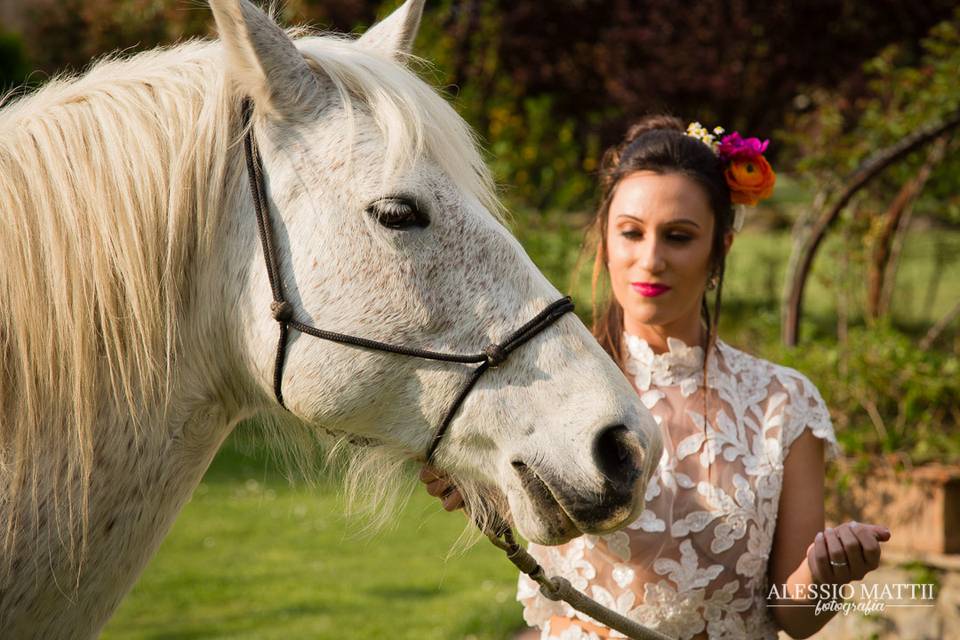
(750,180)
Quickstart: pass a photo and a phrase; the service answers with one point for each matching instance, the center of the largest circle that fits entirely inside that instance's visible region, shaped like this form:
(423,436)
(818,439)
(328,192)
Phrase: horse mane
(113,185)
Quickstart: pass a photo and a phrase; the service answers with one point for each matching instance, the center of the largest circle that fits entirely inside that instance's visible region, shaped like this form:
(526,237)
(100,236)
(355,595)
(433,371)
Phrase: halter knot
(282,310)
(495,355)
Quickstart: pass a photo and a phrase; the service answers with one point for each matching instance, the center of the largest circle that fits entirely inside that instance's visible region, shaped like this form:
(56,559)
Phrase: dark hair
(658,143)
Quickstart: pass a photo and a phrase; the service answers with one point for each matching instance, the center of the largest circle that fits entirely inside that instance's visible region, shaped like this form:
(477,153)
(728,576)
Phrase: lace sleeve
(807,410)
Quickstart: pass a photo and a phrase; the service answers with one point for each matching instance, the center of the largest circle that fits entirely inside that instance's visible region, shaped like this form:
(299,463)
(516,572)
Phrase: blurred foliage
(889,400)
(68,34)
(906,90)
(548,85)
(13,62)
(579,72)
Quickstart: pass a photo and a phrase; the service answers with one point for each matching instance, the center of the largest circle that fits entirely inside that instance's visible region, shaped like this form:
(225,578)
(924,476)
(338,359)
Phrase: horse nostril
(618,455)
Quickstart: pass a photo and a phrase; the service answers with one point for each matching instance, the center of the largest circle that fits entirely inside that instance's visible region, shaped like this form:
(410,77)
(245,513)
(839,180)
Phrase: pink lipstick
(649,289)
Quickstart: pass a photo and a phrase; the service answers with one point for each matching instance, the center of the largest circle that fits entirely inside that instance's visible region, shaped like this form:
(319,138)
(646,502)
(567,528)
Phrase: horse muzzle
(622,461)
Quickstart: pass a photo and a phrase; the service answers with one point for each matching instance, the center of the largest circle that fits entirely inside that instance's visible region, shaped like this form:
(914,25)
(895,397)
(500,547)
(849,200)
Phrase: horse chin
(542,519)
(559,515)
(557,530)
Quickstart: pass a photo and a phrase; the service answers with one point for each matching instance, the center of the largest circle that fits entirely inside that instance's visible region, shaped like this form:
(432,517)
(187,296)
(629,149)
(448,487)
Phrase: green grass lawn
(253,557)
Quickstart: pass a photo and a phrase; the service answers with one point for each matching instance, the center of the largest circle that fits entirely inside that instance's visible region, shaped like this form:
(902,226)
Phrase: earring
(713,281)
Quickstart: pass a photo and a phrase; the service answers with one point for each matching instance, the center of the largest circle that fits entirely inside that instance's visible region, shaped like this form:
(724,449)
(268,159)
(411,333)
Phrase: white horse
(135,329)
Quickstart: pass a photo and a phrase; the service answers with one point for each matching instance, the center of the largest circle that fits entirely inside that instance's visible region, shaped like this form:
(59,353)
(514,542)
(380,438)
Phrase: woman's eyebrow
(674,221)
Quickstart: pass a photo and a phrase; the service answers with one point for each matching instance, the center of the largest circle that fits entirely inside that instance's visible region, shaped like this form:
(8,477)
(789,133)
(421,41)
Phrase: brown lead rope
(556,588)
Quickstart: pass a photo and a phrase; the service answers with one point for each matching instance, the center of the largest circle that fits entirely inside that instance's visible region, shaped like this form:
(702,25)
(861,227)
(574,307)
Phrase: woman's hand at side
(439,485)
(854,549)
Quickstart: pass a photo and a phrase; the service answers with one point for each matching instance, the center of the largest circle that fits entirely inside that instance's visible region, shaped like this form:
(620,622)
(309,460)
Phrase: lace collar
(681,365)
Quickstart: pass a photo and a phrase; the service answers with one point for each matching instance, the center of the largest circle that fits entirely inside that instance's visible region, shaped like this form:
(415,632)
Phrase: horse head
(386,227)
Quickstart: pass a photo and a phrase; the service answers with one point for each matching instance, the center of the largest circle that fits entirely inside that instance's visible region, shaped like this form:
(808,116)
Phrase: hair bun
(611,158)
(652,123)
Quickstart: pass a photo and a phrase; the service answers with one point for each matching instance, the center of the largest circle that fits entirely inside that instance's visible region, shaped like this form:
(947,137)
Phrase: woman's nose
(651,258)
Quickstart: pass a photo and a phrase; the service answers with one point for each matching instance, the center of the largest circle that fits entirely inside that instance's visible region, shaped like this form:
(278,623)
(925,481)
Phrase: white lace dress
(694,564)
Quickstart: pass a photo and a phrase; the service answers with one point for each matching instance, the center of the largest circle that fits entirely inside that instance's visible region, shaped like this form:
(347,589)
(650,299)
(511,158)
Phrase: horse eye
(398,212)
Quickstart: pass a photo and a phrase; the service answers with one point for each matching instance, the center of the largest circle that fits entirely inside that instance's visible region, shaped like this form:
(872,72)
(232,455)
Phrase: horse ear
(394,35)
(263,60)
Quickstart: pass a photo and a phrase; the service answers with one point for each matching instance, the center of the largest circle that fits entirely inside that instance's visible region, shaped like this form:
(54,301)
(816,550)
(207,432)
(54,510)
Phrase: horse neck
(140,484)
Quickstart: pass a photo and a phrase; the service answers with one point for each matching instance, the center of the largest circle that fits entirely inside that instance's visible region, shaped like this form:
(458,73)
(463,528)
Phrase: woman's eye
(631,234)
(398,212)
(678,237)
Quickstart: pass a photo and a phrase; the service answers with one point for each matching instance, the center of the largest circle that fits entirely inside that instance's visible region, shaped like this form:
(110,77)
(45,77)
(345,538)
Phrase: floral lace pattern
(694,563)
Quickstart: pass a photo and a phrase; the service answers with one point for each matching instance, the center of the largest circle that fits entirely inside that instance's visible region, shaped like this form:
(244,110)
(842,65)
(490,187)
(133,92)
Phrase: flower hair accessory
(748,174)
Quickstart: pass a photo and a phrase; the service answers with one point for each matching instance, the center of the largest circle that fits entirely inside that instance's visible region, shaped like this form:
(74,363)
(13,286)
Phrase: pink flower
(733,147)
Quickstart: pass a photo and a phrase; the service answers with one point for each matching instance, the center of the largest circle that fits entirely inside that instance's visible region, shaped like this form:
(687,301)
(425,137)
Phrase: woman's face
(659,234)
